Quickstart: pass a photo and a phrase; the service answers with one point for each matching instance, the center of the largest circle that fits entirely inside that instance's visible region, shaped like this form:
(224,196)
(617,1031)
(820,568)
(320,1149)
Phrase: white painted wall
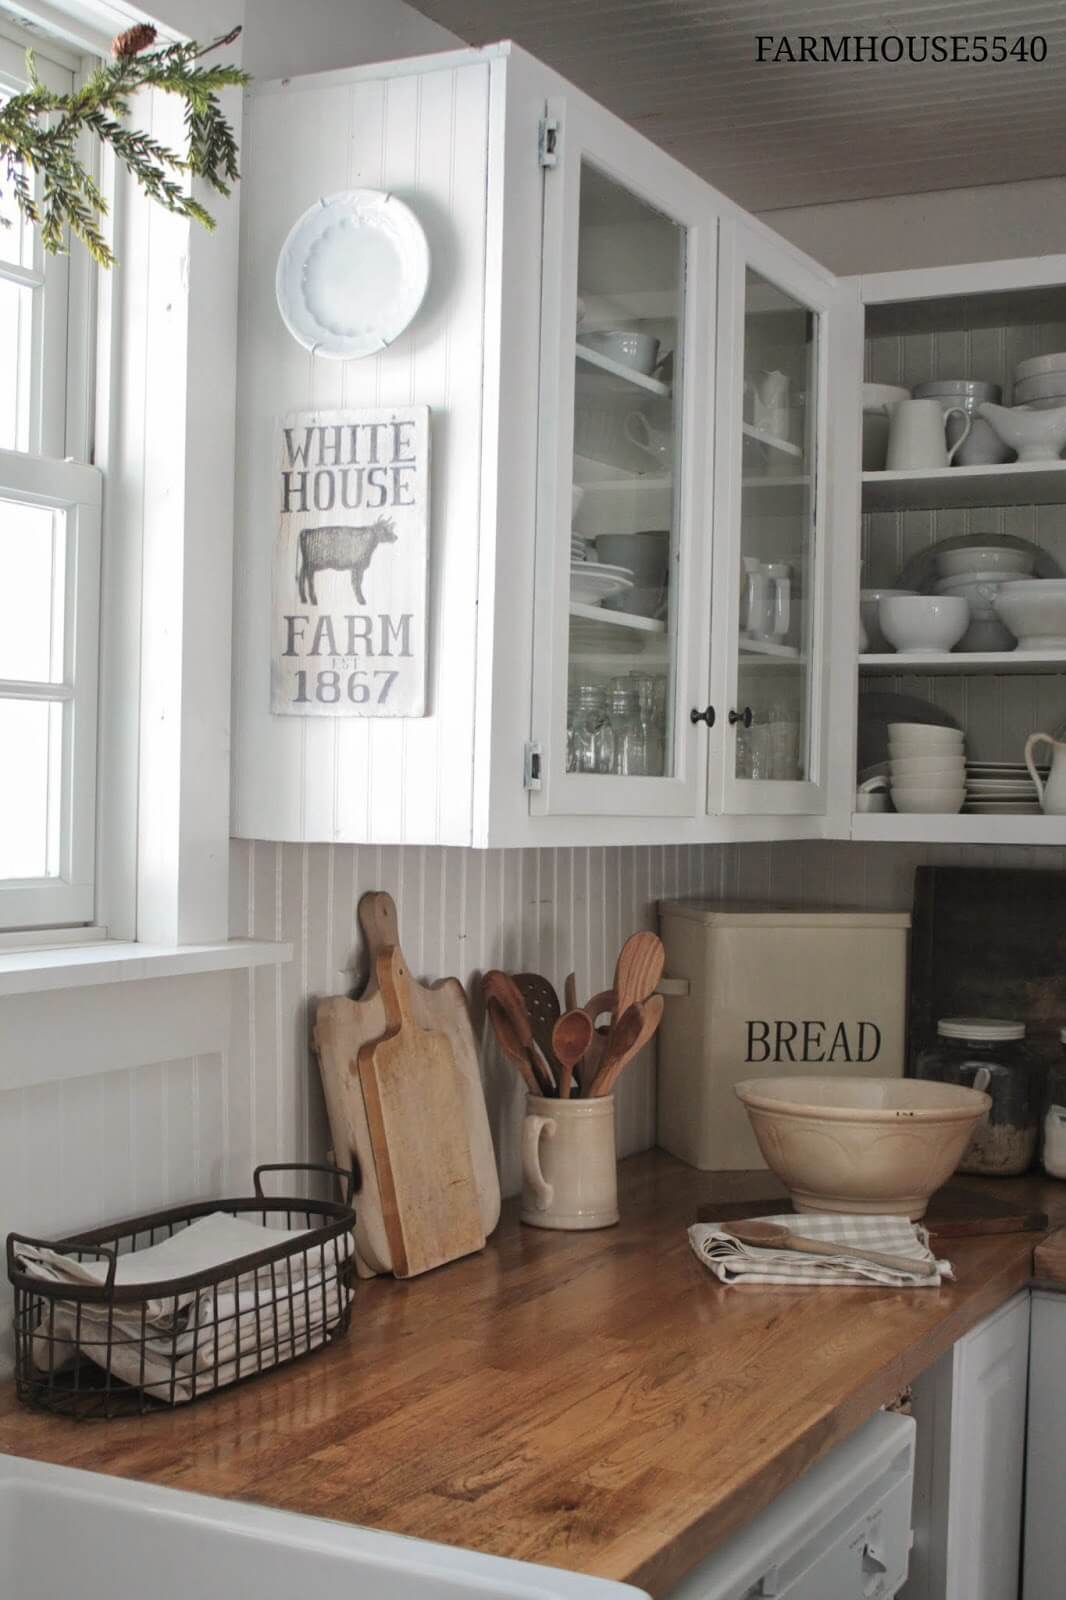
(991,223)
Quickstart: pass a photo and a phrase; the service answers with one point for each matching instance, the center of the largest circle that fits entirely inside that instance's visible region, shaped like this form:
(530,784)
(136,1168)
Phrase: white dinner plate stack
(592,581)
(1001,788)
(927,768)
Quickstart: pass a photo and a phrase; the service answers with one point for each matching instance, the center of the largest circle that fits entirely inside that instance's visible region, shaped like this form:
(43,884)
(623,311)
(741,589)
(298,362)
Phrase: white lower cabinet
(1044,1576)
(970,1409)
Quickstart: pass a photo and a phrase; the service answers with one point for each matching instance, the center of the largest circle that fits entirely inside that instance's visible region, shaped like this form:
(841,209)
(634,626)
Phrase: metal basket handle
(305,1166)
(60,1246)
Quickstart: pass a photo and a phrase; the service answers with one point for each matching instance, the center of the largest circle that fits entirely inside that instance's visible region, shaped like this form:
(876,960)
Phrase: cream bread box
(760,991)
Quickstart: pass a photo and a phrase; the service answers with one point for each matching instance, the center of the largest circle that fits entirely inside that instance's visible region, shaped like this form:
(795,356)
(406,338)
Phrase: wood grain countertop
(594,1401)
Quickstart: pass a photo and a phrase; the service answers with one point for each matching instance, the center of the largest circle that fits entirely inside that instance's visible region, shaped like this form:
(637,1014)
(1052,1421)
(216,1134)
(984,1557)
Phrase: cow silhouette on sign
(339,549)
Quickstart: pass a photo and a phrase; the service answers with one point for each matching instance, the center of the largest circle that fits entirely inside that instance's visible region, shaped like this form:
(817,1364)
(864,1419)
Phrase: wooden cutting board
(342,1027)
(414,1107)
(955,1212)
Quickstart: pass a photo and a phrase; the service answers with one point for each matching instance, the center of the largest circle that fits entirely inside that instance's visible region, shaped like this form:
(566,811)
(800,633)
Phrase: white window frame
(50,468)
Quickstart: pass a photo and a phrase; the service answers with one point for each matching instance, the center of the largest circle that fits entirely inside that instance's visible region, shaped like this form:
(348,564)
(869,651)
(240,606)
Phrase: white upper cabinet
(628,523)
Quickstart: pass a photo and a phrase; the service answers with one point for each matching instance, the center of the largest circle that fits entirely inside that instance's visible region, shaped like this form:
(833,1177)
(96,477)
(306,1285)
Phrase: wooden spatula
(542,1006)
(571,1037)
(509,1043)
(501,988)
(640,966)
(771,1236)
(630,1034)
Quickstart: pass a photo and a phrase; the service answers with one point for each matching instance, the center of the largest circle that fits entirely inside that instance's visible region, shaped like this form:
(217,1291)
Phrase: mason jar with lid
(989,1053)
(1055,1117)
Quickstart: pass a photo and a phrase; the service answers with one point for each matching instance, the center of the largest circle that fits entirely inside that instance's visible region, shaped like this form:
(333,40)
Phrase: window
(49,566)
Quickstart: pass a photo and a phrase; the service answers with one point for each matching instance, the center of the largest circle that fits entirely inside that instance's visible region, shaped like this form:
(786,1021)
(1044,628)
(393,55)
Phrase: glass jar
(589,741)
(646,689)
(628,732)
(1055,1117)
(990,1054)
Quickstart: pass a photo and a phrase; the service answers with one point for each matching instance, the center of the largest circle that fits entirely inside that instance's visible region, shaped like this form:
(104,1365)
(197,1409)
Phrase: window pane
(16,345)
(32,549)
(31,746)
(16,241)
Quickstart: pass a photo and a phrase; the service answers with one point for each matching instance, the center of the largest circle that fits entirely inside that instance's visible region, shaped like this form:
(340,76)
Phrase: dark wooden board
(955,1212)
(988,942)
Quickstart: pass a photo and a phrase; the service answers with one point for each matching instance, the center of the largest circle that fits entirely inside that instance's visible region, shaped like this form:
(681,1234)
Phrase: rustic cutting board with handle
(342,1027)
(414,1106)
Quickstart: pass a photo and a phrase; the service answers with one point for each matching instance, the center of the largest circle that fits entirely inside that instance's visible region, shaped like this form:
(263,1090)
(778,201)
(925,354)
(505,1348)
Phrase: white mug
(759,606)
(780,576)
(655,442)
(917,435)
(569,1166)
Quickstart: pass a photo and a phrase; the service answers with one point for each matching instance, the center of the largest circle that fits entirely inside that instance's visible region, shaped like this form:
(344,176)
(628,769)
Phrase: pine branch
(40,131)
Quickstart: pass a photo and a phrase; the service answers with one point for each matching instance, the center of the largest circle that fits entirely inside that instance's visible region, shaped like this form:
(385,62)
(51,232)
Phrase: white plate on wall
(352,274)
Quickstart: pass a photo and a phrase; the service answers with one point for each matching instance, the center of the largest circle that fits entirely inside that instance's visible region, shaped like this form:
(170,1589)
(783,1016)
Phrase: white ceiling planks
(783,134)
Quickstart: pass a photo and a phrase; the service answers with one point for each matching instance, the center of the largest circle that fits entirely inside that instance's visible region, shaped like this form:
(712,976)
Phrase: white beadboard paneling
(424,137)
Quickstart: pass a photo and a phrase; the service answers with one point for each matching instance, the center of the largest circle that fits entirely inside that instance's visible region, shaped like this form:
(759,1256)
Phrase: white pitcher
(1052,793)
(917,436)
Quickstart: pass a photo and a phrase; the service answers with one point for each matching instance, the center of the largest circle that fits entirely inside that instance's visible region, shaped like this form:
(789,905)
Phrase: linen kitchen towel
(733,1262)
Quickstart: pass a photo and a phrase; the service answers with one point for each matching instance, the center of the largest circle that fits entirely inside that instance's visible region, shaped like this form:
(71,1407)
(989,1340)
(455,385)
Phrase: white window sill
(76,966)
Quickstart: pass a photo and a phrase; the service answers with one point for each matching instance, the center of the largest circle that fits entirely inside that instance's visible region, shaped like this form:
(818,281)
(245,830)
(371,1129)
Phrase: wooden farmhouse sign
(349,633)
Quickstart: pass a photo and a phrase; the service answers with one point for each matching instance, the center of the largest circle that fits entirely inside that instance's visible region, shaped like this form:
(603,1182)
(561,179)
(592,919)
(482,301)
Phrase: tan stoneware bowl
(862,1145)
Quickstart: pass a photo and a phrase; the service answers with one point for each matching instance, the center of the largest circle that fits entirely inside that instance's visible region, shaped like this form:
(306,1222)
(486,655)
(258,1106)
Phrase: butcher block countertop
(594,1401)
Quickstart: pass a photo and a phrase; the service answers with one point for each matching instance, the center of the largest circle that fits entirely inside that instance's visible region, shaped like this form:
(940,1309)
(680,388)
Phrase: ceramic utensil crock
(569,1168)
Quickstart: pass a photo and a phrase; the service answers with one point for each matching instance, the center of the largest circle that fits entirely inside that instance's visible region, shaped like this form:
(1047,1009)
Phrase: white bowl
(877,402)
(915,768)
(637,350)
(979,589)
(1040,386)
(919,622)
(1036,435)
(869,600)
(962,562)
(1037,365)
(862,1145)
(1034,610)
(879,396)
(943,783)
(929,735)
(937,802)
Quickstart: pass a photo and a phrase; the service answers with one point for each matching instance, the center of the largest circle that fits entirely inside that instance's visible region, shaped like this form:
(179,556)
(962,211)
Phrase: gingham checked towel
(734,1262)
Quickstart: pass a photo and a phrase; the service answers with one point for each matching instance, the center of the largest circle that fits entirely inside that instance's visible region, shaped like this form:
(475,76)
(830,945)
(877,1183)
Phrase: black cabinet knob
(744,716)
(707,716)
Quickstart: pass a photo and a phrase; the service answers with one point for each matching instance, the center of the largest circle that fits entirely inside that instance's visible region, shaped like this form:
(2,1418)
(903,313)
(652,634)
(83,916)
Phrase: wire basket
(108,1348)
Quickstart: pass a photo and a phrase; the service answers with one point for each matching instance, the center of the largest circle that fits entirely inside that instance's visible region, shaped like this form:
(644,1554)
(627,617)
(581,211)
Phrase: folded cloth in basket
(190,1342)
(734,1262)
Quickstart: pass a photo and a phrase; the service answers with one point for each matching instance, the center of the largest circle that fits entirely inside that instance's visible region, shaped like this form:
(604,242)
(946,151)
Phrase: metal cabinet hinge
(548,145)
(532,767)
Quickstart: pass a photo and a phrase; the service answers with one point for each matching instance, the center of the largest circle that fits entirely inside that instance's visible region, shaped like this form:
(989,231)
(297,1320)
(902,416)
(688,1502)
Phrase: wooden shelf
(765,648)
(938,663)
(616,619)
(938,488)
(892,827)
(771,441)
(618,371)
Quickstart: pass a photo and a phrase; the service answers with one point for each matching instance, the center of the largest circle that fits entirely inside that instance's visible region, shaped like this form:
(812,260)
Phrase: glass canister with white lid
(990,1053)
(1055,1117)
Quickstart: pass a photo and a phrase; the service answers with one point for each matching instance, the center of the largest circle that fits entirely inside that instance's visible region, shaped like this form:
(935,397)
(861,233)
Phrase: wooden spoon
(771,1236)
(499,987)
(571,1037)
(509,1044)
(640,966)
(570,991)
(626,1039)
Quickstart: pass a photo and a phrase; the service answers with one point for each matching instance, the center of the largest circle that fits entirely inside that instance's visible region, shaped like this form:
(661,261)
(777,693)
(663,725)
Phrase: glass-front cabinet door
(771,498)
(624,513)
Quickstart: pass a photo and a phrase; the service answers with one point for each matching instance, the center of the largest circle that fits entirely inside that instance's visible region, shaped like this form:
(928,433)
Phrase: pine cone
(133,41)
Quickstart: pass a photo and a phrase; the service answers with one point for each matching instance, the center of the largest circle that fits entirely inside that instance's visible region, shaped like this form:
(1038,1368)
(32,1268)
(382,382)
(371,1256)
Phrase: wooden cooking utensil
(640,966)
(542,1005)
(630,1034)
(590,1065)
(418,1132)
(570,991)
(770,1236)
(508,1042)
(571,1037)
(503,989)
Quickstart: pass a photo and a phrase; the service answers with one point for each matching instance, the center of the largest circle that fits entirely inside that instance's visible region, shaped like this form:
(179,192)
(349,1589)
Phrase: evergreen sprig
(40,131)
